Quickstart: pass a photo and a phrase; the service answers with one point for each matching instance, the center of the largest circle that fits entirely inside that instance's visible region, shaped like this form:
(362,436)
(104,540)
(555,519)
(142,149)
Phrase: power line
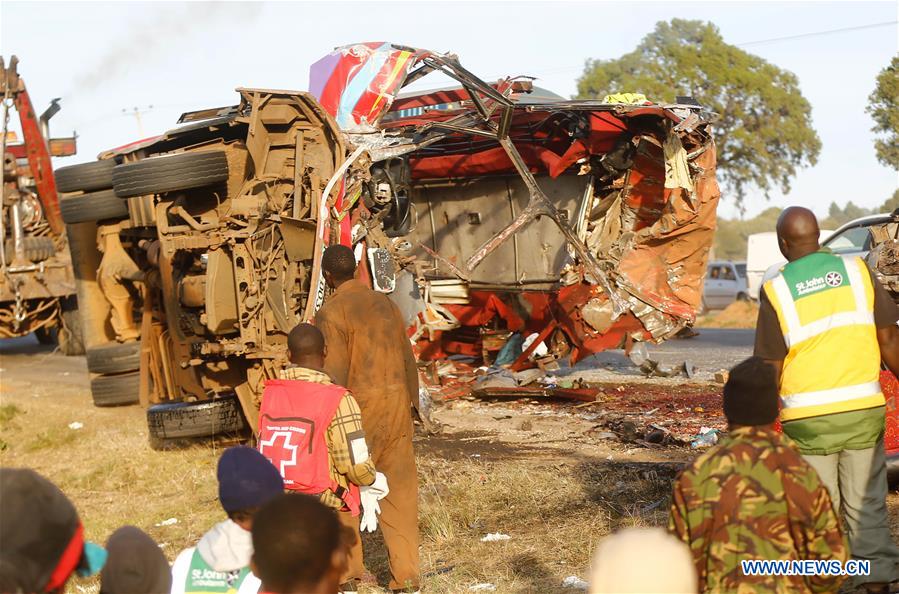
(560,69)
(817,33)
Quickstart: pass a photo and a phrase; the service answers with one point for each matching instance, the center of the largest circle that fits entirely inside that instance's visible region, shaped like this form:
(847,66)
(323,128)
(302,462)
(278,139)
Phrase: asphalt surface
(714,349)
(25,359)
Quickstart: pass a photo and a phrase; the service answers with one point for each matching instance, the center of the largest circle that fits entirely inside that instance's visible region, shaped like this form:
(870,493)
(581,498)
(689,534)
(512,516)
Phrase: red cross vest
(293,422)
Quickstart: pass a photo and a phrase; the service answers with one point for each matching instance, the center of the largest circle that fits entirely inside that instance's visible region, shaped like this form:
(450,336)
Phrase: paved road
(24,359)
(712,350)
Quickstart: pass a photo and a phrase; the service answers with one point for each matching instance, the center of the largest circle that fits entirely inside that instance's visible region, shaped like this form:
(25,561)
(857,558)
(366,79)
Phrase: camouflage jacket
(752,496)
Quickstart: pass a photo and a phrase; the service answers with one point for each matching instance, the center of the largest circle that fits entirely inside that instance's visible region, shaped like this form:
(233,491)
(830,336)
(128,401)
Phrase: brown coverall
(369,353)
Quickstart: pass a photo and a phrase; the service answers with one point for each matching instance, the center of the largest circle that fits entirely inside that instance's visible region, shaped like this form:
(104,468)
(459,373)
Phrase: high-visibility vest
(825,306)
(192,575)
(293,423)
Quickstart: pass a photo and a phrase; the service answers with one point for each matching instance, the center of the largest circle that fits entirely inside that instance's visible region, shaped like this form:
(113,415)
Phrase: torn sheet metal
(594,217)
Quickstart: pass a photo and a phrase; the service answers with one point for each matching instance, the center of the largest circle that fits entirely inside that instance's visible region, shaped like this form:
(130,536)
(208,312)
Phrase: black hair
(305,339)
(750,394)
(294,539)
(242,515)
(340,262)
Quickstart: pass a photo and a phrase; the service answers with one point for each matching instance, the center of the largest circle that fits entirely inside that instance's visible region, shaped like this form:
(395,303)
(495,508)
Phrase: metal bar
(298,166)
(455,269)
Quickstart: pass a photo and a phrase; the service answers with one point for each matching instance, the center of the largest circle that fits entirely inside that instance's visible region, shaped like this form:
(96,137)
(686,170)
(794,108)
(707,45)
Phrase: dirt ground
(739,314)
(553,476)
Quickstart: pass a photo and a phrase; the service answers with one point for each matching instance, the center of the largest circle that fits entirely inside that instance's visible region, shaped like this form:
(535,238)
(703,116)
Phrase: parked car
(724,284)
(851,239)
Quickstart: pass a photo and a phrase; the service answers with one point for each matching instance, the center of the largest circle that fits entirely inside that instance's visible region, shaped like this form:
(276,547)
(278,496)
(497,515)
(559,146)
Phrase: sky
(107,60)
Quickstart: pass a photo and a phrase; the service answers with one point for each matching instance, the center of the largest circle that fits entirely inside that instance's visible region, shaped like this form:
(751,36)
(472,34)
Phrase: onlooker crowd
(296,504)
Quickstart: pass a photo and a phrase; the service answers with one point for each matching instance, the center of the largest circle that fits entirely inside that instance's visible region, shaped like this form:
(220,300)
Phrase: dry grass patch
(554,510)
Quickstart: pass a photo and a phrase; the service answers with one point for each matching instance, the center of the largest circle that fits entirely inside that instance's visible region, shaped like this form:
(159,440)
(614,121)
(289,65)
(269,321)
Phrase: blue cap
(247,479)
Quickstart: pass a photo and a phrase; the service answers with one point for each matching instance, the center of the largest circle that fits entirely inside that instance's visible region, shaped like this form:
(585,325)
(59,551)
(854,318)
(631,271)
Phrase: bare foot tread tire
(114,357)
(116,390)
(93,206)
(85,177)
(169,173)
(70,336)
(178,420)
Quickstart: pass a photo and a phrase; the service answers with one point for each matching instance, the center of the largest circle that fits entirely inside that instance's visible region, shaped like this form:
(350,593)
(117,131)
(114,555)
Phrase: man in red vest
(311,430)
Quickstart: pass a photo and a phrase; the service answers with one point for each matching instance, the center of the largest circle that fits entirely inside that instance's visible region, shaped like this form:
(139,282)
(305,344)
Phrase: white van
(762,252)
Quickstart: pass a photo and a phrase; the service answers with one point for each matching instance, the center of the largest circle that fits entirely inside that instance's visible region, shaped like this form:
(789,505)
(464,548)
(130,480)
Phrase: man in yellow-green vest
(826,323)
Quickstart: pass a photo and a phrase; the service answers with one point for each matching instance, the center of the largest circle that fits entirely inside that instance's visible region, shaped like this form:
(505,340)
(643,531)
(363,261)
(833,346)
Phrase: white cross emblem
(834,279)
(287,446)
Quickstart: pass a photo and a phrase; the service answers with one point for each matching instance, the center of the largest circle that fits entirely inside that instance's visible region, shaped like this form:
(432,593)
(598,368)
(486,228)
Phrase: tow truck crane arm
(13,88)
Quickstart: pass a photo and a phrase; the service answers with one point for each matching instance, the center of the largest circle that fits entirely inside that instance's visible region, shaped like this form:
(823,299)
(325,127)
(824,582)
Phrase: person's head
(135,565)
(247,481)
(41,535)
(620,563)
(338,265)
(298,546)
(797,232)
(306,346)
(750,394)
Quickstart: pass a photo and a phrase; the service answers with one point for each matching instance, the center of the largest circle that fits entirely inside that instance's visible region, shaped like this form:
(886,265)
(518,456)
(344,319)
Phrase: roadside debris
(721,376)
(169,522)
(483,587)
(707,437)
(75,425)
(495,537)
(573,581)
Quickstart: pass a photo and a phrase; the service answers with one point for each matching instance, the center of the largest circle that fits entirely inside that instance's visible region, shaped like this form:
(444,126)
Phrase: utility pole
(136,112)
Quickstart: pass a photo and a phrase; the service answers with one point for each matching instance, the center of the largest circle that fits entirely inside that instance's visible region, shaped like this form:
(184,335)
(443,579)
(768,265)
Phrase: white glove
(370,496)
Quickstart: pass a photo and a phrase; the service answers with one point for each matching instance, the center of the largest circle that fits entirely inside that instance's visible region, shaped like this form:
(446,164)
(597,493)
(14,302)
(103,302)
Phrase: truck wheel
(70,336)
(169,173)
(85,177)
(114,357)
(176,420)
(93,206)
(116,390)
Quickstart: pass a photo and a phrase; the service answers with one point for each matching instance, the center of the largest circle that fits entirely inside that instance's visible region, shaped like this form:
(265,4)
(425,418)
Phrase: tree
(883,106)
(891,204)
(764,132)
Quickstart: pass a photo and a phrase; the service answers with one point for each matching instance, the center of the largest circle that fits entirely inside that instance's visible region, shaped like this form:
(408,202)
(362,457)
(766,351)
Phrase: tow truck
(37,286)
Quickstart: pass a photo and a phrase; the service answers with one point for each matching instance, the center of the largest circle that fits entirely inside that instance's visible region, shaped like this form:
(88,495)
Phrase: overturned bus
(478,208)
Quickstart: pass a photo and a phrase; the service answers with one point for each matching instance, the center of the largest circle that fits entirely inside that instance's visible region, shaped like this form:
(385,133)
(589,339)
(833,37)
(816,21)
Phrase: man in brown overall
(369,353)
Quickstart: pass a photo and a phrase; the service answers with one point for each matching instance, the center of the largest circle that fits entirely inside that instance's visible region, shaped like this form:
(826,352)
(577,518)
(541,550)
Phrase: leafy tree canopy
(765,130)
(883,106)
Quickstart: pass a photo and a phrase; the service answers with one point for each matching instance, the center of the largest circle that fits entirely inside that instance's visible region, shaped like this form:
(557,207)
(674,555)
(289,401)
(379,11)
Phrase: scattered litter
(483,587)
(652,368)
(169,522)
(539,351)
(527,376)
(706,437)
(475,456)
(721,376)
(75,425)
(651,412)
(609,457)
(652,506)
(495,536)
(575,582)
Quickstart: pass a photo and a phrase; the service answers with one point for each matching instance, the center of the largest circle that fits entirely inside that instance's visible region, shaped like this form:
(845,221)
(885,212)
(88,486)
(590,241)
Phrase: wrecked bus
(475,207)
